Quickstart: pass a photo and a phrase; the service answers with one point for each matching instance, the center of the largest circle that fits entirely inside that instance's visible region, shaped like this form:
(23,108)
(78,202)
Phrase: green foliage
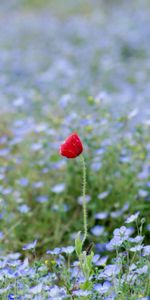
(78,244)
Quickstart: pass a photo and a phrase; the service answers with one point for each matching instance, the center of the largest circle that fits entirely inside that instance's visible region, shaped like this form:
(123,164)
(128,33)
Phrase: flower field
(75,150)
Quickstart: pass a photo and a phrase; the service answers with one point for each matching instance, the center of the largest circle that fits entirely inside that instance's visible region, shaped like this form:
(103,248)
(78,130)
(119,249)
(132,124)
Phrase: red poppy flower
(72,146)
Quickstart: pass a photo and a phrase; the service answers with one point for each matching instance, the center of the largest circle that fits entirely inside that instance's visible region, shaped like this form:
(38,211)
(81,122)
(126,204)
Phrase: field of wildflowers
(75,150)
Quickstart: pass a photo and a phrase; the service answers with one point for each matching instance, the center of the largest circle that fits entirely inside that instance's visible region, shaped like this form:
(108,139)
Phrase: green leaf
(78,244)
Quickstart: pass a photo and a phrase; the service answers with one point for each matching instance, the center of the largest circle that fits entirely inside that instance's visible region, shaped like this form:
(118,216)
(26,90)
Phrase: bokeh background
(65,66)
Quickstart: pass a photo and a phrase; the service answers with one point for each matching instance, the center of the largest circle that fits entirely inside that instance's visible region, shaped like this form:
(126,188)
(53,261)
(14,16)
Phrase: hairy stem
(84,200)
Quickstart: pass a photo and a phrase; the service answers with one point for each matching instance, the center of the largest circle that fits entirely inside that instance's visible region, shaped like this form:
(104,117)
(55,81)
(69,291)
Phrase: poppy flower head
(72,146)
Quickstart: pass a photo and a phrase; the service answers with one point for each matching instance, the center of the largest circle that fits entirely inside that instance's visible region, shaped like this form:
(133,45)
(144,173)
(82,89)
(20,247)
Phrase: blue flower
(103,195)
(23,181)
(80,199)
(42,199)
(55,251)
(101,215)
(24,208)
(68,250)
(57,293)
(58,188)
(110,271)
(102,288)
(30,246)
(11,297)
(146,250)
(98,230)
(143,193)
(137,239)
(123,233)
(81,293)
(132,218)
(36,289)
(142,270)
(136,248)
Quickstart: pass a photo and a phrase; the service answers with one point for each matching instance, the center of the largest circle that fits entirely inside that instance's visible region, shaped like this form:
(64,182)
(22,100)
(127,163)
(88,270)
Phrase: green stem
(84,200)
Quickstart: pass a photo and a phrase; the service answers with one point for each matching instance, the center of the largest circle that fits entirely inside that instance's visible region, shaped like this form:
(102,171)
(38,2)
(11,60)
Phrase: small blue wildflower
(4,152)
(11,297)
(3,263)
(96,166)
(133,113)
(123,233)
(116,214)
(136,248)
(24,265)
(68,250)
(146,250)
(41,127)
(103,195)
(99,261)
(101,247)
(64,100)
(19,102)
(30,246)
(59,165)
(143,193)
(98,230)
(144,298)
(81,293)
(137,239)
(143,270)
(132,267)
(24,208)
(55,251)
(95,258)
(114,243)
(132,218)
(57,207)
(36,289)
(143,175)
(7,191)
(110,271)
(13,263)
(102,288)
(125,159)
(38,184)
(148,227)
(14,255)
(87,198)
(2,176)
(102,261)
(58,188)
(36,147)
(100,151)
(125,207)
(120,235)
(101,215)
(57,293)
(23,181)
(1,235)
(42,199)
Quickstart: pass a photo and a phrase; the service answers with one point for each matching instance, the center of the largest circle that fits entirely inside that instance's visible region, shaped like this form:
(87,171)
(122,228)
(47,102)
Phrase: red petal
(72,147)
